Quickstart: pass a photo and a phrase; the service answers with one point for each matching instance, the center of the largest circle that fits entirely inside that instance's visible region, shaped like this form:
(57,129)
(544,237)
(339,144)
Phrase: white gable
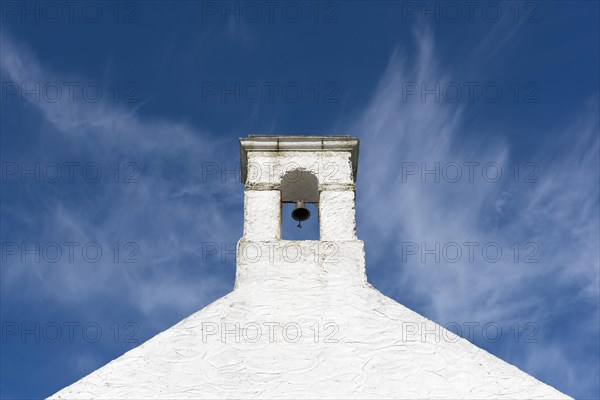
(302,321)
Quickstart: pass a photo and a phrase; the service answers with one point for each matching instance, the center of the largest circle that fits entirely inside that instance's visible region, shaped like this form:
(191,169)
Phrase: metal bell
(300,213)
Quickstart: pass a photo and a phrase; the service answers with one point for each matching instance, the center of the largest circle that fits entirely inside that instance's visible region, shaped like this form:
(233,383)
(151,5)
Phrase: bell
(300,213)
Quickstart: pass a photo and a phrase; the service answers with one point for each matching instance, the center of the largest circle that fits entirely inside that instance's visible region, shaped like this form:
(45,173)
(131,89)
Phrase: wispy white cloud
(156,213)
(559,213)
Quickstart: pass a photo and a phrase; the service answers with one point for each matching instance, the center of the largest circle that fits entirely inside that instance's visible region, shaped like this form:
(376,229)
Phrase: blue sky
(121,203)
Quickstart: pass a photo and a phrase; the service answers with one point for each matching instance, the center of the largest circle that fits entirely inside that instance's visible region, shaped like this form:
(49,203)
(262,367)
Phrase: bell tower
(302,170)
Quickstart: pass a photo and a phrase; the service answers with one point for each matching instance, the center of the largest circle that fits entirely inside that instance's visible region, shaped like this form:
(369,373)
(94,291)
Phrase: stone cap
(281,143)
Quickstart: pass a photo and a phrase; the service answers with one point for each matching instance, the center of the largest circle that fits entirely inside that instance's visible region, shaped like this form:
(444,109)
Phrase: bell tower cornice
(279,144)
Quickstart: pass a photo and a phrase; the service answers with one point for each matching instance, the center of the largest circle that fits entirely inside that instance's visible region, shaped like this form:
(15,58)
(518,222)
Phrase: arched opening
(299,185)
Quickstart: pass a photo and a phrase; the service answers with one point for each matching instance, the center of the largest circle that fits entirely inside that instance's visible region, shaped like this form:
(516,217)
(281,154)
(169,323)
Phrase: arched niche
(299,185)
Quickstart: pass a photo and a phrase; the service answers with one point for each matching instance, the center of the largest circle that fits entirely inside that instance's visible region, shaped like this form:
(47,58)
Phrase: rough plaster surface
(311,328)
(337,215)
(270,167)
(262,214)
(302,320)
